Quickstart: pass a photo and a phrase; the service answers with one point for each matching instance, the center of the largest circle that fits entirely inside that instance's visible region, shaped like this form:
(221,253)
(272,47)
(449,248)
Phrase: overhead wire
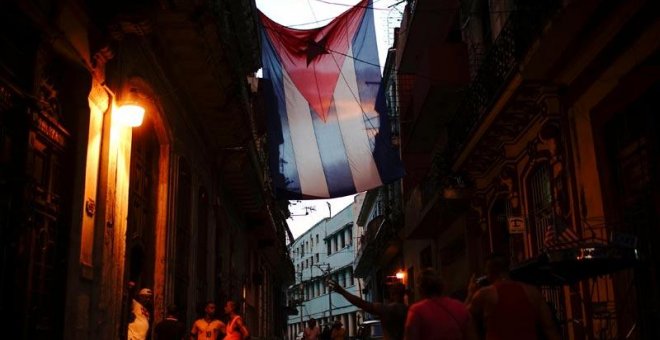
(354,58)
(355,5)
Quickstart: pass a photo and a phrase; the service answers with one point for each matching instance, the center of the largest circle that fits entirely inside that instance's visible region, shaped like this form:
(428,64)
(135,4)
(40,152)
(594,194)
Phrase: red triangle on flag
(313,58)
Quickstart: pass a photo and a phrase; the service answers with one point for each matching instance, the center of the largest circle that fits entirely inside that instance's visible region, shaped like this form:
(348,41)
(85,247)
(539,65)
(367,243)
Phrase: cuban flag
(328,129)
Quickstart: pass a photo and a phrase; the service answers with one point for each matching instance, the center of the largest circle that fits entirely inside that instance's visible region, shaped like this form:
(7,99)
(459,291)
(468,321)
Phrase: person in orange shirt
(236,329)
(208,327)
(312,331)
(338,331)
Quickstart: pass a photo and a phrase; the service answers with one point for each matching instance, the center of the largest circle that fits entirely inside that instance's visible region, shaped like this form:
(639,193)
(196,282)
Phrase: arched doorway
(140,230)
(141,244)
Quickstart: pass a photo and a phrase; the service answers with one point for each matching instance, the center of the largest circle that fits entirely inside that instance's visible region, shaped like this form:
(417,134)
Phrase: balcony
(501,62)
(381,244)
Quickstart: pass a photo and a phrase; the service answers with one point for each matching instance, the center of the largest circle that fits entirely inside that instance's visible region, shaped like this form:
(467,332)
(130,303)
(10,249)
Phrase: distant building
(325,251)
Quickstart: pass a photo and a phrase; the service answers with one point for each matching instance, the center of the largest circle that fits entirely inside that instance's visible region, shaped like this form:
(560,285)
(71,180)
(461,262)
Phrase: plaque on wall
(516,225)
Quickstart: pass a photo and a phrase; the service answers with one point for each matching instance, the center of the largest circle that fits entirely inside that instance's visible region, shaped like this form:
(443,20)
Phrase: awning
(571,265)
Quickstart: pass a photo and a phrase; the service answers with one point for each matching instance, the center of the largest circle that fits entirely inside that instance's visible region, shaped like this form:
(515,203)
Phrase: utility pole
(302,298)
(326,275)
(326,271)
(329,293)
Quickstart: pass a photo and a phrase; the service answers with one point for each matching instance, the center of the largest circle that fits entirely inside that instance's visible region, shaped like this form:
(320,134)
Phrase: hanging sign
(516,225)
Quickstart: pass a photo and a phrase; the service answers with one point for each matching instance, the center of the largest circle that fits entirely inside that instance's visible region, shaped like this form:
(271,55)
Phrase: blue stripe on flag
(387,158)
(369,85)
(367,69)
(282,157)
(333,154)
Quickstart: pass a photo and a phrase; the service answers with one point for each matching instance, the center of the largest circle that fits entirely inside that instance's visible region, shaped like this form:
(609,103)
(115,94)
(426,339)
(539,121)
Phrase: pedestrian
(140,316)
(170,328)
(338,331)
(326,333)
(207,327)
(392,314)
(236,329)
(312,331)
(437,317)
(509,309)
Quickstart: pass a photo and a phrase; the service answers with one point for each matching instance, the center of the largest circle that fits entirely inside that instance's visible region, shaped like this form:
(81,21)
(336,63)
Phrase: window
(317,238)
(349,232)
(498,227)
(329,246)
(350,275)
(541,216)
(342,240)
(426,258)
(540,204)
(317,258)
(342,279)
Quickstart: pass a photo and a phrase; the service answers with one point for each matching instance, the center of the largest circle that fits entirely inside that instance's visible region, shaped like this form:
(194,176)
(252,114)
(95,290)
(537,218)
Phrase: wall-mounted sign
(516,225)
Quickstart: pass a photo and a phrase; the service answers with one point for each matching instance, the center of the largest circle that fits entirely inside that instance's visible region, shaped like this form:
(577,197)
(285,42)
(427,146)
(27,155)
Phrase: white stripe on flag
(354,132)
(308,159)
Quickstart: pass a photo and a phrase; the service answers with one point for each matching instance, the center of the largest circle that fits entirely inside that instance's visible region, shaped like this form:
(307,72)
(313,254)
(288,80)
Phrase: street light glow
(130,115)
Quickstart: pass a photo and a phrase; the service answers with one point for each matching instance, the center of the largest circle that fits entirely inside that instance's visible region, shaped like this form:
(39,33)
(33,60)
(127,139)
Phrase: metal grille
(540,205)
(521,29)
(540,215)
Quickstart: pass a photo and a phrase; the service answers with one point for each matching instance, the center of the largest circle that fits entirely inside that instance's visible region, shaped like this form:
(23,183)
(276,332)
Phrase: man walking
(509,309)
(392,314)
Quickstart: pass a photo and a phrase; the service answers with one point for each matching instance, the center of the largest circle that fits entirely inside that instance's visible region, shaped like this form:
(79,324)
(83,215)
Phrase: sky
(303,14)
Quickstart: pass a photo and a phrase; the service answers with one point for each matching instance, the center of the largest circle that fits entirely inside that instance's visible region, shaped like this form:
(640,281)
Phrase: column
(351,324)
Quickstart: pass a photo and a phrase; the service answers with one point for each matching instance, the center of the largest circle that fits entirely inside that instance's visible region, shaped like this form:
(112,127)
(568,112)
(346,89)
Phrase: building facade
(325,251)
(380,217)
(92,209)
(526,129)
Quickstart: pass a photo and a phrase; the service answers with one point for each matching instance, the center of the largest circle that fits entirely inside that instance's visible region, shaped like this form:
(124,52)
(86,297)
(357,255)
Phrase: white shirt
(138,329)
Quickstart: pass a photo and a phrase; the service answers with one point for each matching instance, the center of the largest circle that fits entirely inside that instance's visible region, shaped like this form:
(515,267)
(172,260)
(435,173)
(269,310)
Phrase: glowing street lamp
(130,115)
(130,112)
(400,275)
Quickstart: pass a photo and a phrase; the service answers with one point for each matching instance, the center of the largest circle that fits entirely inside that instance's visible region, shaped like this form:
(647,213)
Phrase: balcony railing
(522,28)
